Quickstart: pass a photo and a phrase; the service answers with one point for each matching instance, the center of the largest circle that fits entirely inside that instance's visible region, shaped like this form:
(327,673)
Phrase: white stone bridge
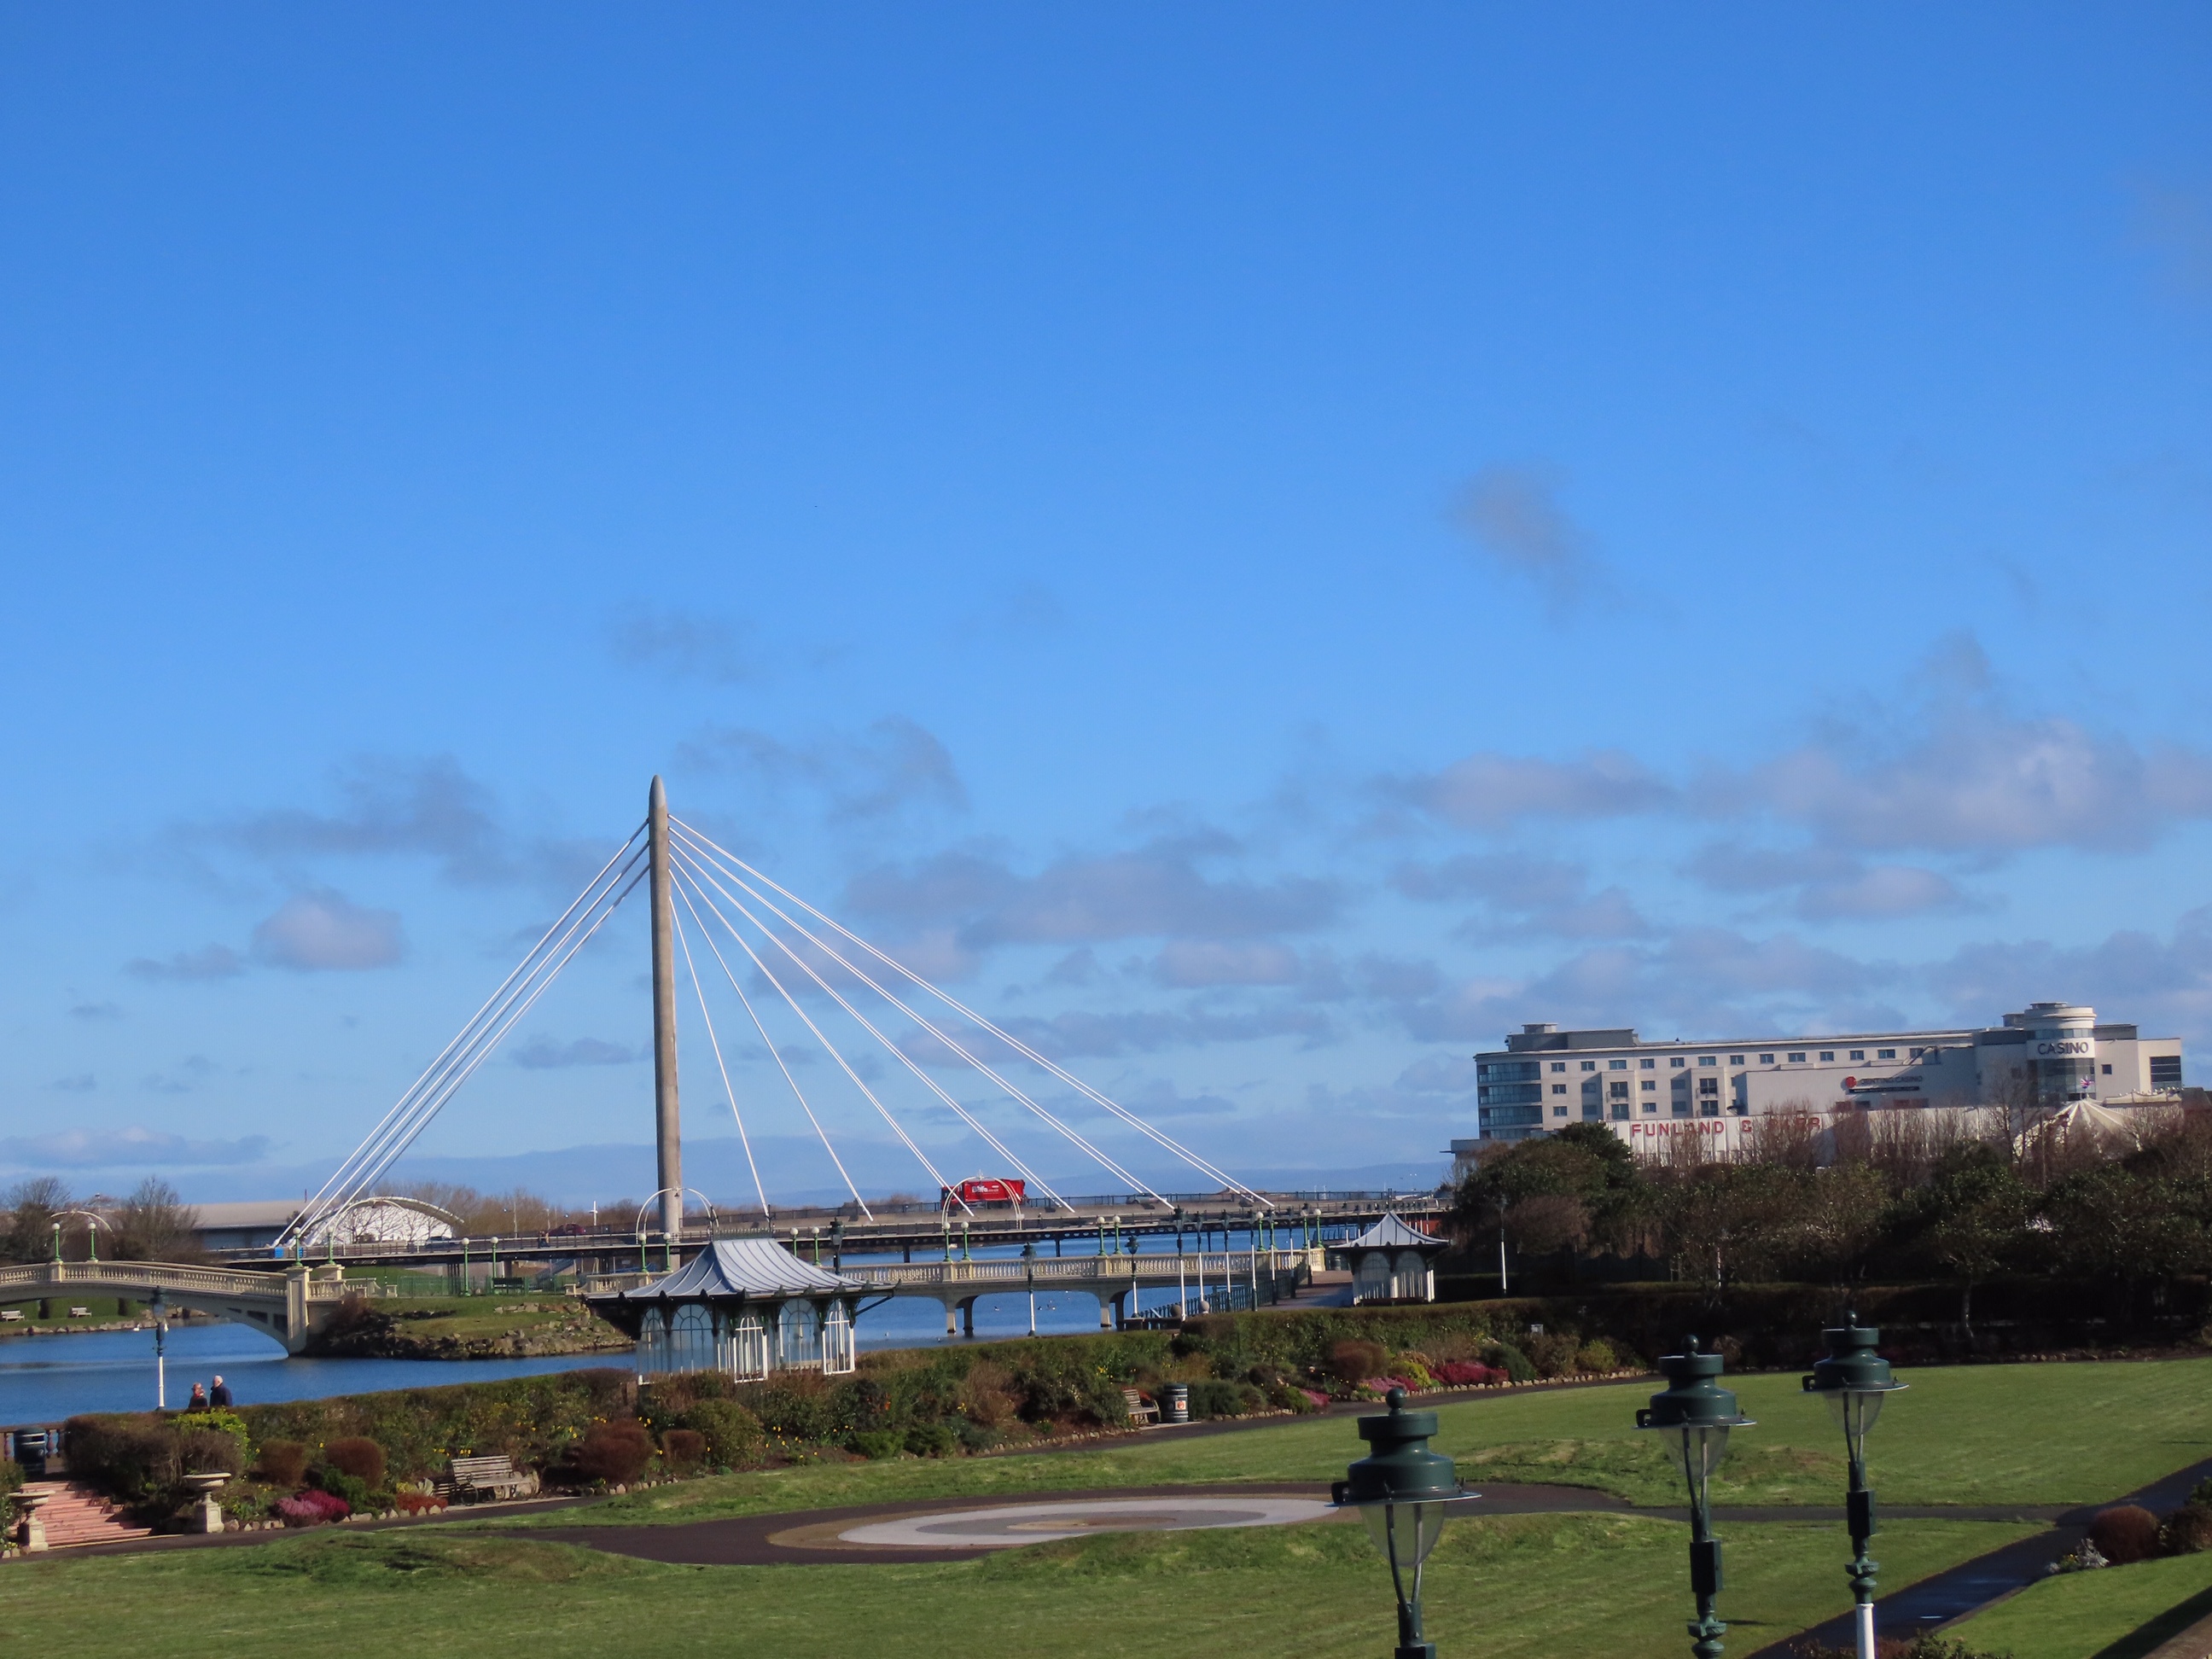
(290,1306)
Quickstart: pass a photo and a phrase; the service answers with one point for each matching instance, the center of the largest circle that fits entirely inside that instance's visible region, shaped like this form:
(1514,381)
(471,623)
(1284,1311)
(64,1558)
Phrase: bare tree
(33,1205)
(154,1223)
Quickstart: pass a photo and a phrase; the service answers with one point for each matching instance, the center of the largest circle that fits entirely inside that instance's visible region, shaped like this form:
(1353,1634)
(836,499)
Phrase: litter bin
(1176,1397)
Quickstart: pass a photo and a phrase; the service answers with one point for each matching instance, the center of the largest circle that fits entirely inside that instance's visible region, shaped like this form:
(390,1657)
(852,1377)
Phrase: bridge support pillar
(967,1317)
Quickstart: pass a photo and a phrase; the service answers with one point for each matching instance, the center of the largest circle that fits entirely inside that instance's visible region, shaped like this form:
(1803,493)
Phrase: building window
(1735,1060)
(2108,1071)
(1885,1054)
(2166,1071)
(1650,1085)
(1708,1086)
(1616,1066)
(1916,1054)
(1767,1059)
(1708,1060)
(1827,1054)
(1858,1053)
(1559,1087)
(1674,1061)
(1648,1065)
(1618,1091)
(1621,1112)
(1797,1057)
(1650,1105)
(1682,1106)
(1589,1066)
(1709,1108)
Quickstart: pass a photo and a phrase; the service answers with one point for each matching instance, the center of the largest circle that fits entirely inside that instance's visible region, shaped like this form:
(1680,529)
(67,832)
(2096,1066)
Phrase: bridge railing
(167,1276)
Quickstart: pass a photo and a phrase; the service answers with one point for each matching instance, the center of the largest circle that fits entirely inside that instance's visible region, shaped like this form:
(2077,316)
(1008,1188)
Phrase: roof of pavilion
(737,1268)
(1392,1234)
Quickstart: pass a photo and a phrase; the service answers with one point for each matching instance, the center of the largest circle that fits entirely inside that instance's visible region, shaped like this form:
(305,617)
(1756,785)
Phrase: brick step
(76,1515)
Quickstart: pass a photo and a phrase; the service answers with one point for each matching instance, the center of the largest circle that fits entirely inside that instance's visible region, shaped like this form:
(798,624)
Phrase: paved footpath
(1949,1596)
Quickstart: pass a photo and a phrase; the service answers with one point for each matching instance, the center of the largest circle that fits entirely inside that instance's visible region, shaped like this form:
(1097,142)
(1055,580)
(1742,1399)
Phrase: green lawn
(2120,1613)
(1980,1434)
(1532,1586)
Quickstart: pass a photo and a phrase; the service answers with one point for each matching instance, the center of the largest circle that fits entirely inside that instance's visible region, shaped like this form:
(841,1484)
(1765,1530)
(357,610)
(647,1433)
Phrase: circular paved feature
(1011,1525)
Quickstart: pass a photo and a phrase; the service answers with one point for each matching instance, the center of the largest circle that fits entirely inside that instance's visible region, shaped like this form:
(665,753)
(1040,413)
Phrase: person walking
(219,1396)
(198,1402)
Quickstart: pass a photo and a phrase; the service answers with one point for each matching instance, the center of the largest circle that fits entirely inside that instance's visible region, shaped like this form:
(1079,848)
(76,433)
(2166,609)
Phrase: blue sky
(1266,545)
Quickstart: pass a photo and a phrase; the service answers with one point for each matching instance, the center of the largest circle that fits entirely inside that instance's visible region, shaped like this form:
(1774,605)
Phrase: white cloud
(212,961)
(894,766)
(1189,963)
(1490,792)
(99,1149)
(324,930)
(1513,515)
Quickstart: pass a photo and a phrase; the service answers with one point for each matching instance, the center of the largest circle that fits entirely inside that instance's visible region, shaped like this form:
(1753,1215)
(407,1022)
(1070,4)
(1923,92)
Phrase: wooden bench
(1141,1409)
(478,1478)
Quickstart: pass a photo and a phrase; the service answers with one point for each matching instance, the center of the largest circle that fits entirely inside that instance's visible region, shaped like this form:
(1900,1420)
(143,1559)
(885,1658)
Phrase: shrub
(876,1444)
(1517,1365)
(11,1475)
(2124,1534)
(987,1396)
(2187,1531)
(932,1440)
(1553,1352)
(684,1448)
(1596,1355)
(978,1437)
(207,1451)
(358,1457)
(1355,1361)
(418,1502)
(349,1489)
(1466,1374)
(311,1509)
(1220,1399)
(733,1434)
(126,1457)
(283,1462)
(616,1453)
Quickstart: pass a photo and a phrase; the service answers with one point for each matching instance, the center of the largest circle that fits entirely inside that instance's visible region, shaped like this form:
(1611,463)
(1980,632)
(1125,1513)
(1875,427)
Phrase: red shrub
(616,1453)
(1466,1374)
(2129,1533)
(360,1457)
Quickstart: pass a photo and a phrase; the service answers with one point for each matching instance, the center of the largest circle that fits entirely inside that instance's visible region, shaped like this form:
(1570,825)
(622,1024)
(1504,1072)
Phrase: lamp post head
(1693,1398)
(1852,1365)
(1854,1380)
(1401,1469)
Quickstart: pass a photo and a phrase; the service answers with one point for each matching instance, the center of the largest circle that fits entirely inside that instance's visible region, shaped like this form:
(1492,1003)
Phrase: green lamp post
(1855,1380)
(1404,1491)
(1695,1414)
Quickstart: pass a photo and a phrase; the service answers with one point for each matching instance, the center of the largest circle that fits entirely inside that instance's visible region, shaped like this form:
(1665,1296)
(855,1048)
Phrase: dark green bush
(978,1437)
(932,1440)
(1215,1398)
(876,1444)
(207,1451)
(129,1458)
(734,1438)
(2187,1531)
(1518,1365)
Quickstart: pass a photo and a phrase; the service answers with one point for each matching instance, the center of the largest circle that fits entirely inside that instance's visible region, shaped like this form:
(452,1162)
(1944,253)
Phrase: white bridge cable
(317,1207)
(903,1058)
(714,1042)
(723,856)
(1075,1138)
(508,1019)
(346,1183)
(882,1111)
(707,937)
(411,1114)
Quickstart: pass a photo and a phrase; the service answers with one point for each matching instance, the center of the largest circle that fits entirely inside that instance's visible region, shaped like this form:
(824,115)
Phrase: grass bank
(2118,1613)
(1521,1587)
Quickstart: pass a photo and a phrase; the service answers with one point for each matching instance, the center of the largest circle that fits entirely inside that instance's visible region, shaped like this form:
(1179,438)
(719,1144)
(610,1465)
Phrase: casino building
(2052,1053)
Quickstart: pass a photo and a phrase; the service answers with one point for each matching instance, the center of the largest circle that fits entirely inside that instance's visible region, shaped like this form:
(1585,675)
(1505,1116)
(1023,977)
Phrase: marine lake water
(44,1379)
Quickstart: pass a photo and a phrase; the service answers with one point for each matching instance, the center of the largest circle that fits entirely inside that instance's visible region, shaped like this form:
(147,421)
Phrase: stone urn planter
(30,1529)
(205,1515)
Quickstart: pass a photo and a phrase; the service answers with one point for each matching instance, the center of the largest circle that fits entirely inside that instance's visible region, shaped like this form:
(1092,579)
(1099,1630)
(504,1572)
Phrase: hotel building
(2052,1053)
